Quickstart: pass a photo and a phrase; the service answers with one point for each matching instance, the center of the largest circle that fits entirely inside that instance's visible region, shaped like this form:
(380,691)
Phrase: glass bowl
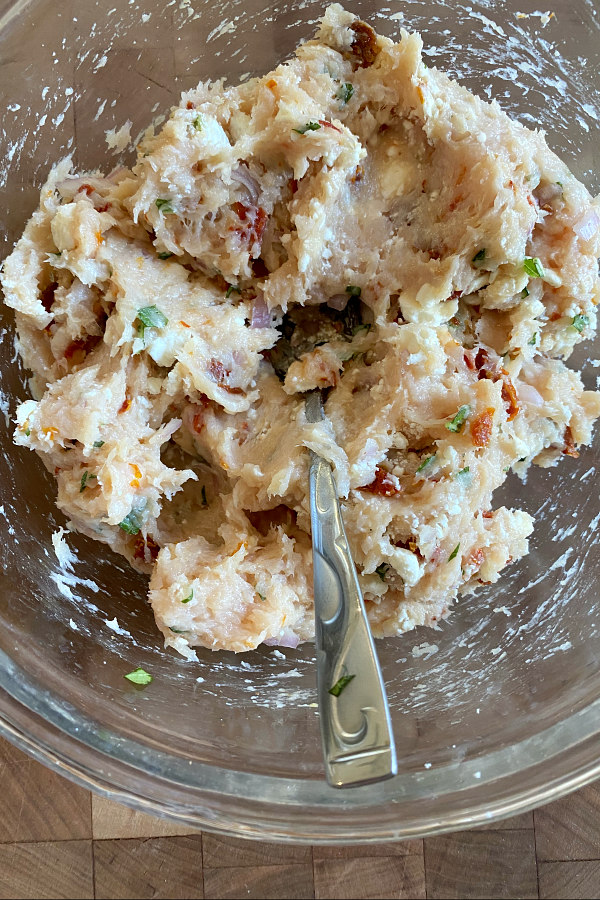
(496,711)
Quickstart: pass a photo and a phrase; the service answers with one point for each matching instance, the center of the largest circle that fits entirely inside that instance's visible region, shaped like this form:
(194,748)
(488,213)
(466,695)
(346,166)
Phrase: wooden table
(57,840)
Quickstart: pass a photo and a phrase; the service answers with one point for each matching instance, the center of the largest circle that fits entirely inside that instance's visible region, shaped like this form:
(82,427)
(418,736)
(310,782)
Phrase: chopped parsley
(524,293)
(150,317)
(177,630)
(262,596)
(426,462)
(454,553)
(463,472)
(458,421)
(345,92)
(232,288)
(580,322)
(382,570)
(84,480)
(203,494)
(310,126)
(340,684)
(479,257)
(198,122)
(164,205)
(353,290)
(189,597)
(533,339)
(98,444)
(139,676)
(27,432)
(165,255)
(533,267)
(132,522)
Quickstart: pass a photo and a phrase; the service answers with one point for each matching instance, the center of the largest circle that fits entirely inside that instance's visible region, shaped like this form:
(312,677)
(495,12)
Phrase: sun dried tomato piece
(218,373)
(141,544)
(86,189)
(482,427)
(255,221)
(382,485)
(570,448)
(125,405)
(509,395)
(364,46)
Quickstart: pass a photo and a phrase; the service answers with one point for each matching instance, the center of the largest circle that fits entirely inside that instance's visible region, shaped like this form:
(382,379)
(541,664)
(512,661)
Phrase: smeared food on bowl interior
(353,222)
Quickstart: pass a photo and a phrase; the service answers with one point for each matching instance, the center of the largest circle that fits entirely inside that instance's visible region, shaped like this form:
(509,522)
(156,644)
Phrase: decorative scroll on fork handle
(358,744)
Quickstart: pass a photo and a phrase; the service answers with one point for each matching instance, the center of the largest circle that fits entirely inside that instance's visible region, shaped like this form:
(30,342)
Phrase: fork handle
(356,730)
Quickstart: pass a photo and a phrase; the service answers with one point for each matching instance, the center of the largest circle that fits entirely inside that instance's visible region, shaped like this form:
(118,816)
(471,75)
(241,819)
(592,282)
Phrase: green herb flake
(84,480)
(177,630)
(189,597)
(165,255)
(164,205)
(232,288)
(340,685)
(152,317)
(533,339)
(203,495)
(310,126)
(98,444)
(463,472)
(353,290)
(139,676)
(262,596)
(454,553)
(382,570)
(345,92)
(479,257)
(198,122)
(56,252)
(132,522)
(426,462)
(356,331)
(458,421)
(533,267)
(524,293)
(580,322)
(27,432)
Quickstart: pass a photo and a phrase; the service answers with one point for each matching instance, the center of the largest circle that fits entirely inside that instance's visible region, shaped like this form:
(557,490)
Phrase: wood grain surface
(58,841)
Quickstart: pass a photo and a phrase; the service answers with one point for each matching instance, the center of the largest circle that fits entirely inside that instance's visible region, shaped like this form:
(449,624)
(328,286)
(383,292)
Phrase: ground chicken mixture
(354,222)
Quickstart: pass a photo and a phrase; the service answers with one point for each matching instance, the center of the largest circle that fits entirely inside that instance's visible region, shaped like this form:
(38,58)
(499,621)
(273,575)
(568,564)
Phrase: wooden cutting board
(57,840)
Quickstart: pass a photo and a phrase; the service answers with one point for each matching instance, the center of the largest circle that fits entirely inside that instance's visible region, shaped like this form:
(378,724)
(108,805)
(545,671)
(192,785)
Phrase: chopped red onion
(247,181)
(547,193)
(587,226)
(261,317)
(287,639)
(338,301)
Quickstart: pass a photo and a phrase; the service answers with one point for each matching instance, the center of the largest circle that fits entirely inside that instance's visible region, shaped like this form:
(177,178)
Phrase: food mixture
(354,222)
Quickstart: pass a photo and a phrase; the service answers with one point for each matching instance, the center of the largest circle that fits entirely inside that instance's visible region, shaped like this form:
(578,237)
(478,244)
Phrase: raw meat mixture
(355,222)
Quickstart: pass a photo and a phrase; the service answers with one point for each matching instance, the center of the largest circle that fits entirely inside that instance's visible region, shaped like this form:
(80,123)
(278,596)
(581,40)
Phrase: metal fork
(356,730)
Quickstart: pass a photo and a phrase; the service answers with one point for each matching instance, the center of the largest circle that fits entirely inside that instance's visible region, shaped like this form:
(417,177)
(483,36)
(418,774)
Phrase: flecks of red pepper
(570,448)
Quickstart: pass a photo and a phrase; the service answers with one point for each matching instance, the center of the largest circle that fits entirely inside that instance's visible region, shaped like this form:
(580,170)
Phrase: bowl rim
(502,783)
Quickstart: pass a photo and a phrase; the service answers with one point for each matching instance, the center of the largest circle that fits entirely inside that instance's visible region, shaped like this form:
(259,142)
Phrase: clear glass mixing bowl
(506,713)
